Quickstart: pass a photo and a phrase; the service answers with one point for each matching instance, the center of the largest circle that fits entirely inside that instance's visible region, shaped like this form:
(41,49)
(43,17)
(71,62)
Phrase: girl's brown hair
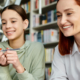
(18,9)
(66,43)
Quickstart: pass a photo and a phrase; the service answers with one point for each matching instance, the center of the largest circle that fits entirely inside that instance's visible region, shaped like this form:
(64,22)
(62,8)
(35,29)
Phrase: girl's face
(12,25)
(68,14)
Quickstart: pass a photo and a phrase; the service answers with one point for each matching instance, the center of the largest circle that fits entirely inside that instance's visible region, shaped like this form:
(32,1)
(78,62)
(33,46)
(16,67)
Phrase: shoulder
(36,48)
(57,53)
(2,44)
(36,44)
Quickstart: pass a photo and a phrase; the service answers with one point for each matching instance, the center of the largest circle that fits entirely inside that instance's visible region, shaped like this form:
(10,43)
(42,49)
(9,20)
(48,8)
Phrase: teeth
(67,27)
(9,32)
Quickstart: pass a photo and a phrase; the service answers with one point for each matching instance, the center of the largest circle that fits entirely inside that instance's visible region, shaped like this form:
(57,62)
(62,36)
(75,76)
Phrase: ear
(26,22)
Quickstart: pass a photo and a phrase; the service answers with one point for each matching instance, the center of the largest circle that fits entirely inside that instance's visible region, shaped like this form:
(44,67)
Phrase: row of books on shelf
(43,3)
(49,53)
(47,73)
(26,6)
(46,36)
(50,16)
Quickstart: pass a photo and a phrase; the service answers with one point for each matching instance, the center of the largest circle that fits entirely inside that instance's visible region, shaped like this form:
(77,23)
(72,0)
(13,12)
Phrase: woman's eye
(58,16)
(69,13)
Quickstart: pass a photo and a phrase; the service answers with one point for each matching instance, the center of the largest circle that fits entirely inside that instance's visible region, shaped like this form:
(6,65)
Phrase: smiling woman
(66,60)
(27,63)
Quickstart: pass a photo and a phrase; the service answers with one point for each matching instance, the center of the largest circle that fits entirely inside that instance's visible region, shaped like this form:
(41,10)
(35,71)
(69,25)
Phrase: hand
(3,59)
(12,58)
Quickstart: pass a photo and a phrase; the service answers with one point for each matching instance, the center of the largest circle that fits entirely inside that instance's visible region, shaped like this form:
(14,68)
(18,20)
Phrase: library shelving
(50,25)
(40,27)
(51,44)
(46,8)
(47,26)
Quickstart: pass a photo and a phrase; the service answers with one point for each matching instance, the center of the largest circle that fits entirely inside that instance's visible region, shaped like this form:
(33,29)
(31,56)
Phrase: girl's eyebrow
(10,18)
(13,18)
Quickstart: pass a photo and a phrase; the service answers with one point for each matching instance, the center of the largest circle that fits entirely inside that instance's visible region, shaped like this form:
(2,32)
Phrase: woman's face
(68,15)
(12,24)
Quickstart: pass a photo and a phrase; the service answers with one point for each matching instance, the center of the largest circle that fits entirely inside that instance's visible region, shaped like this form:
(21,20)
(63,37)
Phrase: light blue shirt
(66,67)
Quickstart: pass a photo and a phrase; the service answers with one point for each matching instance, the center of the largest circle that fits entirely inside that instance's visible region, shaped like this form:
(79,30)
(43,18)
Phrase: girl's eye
(13,21)
(3,23)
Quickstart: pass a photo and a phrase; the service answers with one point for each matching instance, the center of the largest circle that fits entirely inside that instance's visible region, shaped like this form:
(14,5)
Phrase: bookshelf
(51,25)
(40,27)
(46,8)
(47,26)
(51,44)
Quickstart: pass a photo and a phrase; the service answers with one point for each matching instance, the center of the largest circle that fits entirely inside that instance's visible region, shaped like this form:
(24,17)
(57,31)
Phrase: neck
(16,43)
(77,39)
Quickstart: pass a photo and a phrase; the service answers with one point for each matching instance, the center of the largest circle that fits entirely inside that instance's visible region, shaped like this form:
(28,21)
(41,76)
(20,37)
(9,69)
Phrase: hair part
(18,9)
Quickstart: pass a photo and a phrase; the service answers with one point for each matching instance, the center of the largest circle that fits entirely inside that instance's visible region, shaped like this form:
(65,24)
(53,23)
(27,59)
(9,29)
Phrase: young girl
(28,61)
(66,61)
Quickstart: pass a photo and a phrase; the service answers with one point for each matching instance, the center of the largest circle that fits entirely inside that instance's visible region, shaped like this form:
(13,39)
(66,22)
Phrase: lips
(10,32)
(67,27)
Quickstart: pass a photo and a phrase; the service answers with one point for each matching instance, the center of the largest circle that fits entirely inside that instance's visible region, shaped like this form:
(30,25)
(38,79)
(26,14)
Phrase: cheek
(58,23)
(3,28)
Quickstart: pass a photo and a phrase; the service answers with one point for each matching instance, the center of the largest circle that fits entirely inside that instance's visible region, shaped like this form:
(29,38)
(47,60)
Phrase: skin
(13,27)
(68,13)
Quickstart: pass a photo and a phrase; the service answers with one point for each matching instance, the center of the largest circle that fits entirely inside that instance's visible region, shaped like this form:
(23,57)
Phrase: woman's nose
(63,20)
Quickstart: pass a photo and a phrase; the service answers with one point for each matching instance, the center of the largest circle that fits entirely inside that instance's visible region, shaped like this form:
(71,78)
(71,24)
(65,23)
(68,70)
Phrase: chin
(10,38)
(67,35)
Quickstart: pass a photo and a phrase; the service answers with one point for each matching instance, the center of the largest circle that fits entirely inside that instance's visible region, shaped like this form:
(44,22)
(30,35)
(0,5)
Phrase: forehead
(65,4)
(9,13)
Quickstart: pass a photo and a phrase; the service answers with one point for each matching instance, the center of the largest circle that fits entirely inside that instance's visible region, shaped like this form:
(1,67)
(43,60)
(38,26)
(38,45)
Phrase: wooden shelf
(47,8)
(51,44)
(51,25)
(24,1)
(48,62)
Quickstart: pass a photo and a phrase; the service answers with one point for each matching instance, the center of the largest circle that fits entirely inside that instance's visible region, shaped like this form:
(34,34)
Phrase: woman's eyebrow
(68,9)
(65,10)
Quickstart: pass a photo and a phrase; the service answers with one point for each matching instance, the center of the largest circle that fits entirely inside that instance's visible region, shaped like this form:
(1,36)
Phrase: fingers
(2,57)
(1,53)
(8,57)
(11,57)
(2,60)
